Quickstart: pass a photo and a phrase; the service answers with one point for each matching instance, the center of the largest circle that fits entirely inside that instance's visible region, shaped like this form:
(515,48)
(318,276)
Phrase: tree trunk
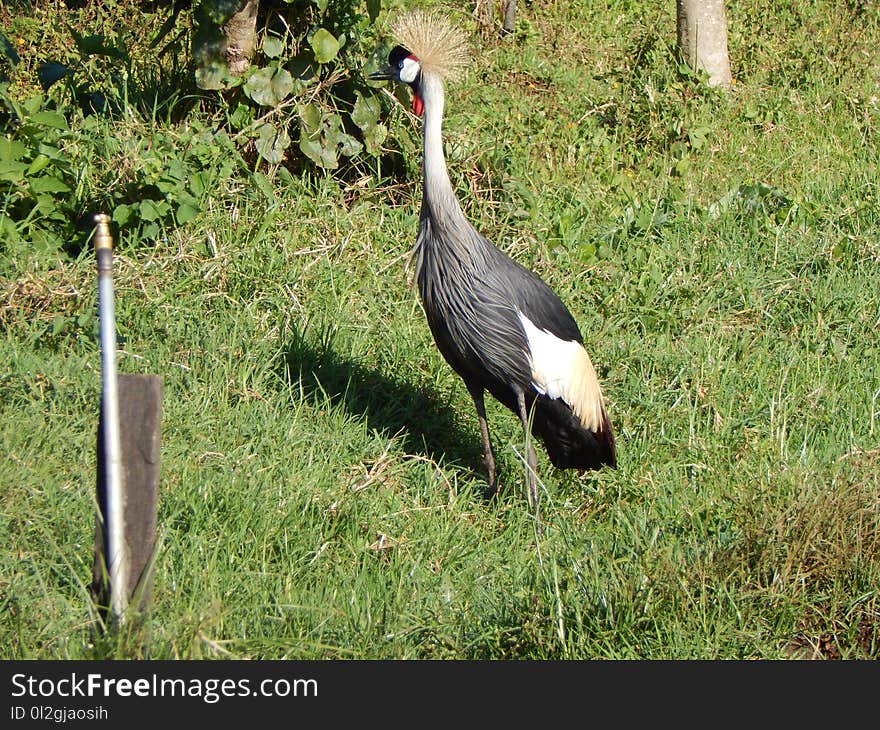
(509,23)
(241,37)
(702,38)
(222,44)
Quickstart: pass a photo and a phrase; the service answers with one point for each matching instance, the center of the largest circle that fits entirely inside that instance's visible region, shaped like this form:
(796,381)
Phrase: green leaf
(285,176)
(152,210)
(49,184)
(374,137)
(9,50)
(184,197)
(366,111)
(623,183)
(49,119)
(33,104)
(311,149)
(47,205)
(198,183)
(273,46)
(328,159)
(45,241)
(310,118)
(644,219)
(52,152)
(319,154)
(348,145)
(373,8)
(697,137)
(682,166)
(176,169)
(186,212)
(59,324)
(269,86)
(271,143)
(11,150)
(304,71)
(95,45)
(86,319)
(122,214)
(678,150)
(587,251)
(332,128)
(8,229)
(365,115)
(39,163)
(168,187)
(212,76)
(50,73)
(325,45)
(241,116)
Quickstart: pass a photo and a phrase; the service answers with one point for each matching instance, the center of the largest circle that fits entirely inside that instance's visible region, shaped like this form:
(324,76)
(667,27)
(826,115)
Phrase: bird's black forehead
(398,53)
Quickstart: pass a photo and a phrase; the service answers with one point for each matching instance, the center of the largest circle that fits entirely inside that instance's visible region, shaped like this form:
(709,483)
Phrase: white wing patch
(562,369)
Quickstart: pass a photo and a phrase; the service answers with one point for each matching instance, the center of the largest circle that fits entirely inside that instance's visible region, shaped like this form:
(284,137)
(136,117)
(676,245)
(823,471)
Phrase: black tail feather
(569,445)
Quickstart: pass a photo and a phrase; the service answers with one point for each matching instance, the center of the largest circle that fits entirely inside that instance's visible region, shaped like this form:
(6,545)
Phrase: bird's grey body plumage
(467,285)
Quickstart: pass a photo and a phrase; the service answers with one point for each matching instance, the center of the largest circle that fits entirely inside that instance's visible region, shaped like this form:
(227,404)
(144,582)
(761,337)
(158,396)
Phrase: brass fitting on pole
(103,243)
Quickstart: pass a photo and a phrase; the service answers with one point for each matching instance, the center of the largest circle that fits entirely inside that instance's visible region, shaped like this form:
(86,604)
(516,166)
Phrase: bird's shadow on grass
(422,422)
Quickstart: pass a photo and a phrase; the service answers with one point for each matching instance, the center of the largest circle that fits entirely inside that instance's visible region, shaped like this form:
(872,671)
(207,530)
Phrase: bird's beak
(383,74)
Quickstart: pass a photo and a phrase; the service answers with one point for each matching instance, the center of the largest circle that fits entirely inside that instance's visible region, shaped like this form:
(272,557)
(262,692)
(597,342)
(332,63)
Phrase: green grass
(321,487)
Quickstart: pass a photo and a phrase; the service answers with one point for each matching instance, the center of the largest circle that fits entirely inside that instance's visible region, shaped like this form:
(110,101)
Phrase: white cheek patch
(562,369)
(410,70)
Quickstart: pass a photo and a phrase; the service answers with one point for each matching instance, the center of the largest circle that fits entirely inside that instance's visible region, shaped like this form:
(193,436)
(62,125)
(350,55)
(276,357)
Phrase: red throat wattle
(418,104)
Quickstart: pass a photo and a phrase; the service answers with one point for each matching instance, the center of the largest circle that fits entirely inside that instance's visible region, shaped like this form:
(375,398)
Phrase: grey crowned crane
(499,326)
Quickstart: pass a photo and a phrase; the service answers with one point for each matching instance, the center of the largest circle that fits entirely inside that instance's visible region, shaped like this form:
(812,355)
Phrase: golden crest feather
(440,46)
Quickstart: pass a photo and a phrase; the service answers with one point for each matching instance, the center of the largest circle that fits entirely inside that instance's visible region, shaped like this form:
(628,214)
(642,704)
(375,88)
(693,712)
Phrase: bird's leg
(488,455)
(531,458)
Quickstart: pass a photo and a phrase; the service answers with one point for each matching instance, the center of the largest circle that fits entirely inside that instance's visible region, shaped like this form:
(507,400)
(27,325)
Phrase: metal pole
(117,557)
